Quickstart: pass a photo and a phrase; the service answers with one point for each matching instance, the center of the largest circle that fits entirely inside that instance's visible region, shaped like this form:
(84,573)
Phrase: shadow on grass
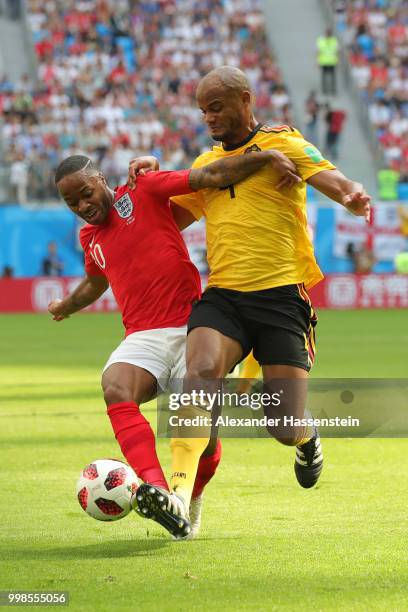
(103,550)
(48,415)
(93,393)
(215,538)
(54,441)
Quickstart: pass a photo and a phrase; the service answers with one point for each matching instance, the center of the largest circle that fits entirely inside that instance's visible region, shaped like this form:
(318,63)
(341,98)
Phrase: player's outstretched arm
(337,187)
(88,291)
(231,170)
(284,166)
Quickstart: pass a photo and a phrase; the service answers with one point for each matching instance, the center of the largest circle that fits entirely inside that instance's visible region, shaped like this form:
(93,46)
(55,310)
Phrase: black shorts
(277,324)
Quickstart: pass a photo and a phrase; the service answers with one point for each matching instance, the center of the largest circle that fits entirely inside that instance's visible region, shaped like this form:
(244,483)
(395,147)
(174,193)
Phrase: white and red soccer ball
(105,488)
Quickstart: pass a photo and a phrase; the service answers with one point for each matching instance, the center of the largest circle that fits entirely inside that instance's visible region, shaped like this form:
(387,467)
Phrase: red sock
(207,467)
(137,441)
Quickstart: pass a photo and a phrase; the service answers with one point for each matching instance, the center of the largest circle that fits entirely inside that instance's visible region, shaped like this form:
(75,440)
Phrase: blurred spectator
(327,59)
(380,114)
(399,124)
(280,97)
(40,176)
(335,122)
(388,184)
(8,272)
(110,168)
(361,72)
(19,178)
(363,258)
(365,41)
(312,107)
(401,263)
(52,264)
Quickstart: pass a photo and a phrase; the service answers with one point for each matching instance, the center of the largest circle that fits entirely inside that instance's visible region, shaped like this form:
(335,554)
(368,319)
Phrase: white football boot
(196,508)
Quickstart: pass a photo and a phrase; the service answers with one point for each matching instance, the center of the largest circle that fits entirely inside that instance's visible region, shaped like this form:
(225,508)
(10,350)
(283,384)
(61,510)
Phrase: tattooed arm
(231,170)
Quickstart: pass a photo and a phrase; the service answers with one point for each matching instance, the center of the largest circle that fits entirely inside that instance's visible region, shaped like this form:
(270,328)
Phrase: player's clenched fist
(139,166)
(286,169)
(58,310)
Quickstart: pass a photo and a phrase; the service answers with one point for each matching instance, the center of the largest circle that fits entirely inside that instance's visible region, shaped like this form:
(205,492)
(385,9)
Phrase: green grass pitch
(266,544)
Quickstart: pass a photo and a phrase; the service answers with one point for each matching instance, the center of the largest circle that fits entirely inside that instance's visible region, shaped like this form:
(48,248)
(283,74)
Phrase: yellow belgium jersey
(257,236)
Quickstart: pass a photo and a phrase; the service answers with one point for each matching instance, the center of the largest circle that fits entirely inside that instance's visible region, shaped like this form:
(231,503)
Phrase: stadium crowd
(376,33)
(118,77)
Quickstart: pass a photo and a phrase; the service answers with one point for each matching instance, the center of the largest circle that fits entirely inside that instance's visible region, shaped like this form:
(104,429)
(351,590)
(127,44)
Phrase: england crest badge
(124,206)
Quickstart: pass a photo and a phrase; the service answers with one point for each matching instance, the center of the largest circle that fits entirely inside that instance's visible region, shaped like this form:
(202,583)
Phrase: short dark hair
(74,163)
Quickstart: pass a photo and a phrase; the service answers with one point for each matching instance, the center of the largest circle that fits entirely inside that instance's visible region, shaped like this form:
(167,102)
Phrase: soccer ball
(104,489)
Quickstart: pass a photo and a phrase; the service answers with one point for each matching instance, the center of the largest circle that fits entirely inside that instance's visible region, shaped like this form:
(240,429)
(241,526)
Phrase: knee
(114,393)
(288,440)
(205,366)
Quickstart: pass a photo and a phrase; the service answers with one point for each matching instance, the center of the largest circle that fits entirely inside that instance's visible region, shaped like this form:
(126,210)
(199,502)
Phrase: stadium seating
(118,78)
(376,32)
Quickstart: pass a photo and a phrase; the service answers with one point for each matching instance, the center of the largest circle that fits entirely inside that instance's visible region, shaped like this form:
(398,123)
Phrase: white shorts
(162,352)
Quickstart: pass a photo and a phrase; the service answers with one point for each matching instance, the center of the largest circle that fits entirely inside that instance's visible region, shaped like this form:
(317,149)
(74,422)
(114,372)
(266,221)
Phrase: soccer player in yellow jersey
(261,264)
